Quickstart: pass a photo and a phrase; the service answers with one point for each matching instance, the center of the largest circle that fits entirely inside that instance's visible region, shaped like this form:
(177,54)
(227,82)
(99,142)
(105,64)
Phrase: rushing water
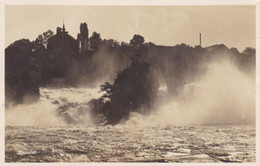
(123,143)
(40,133)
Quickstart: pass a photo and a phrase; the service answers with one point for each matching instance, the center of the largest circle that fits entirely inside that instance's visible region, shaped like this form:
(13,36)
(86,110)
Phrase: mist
(222,95)
(56,107)
(139,81)
(104,66)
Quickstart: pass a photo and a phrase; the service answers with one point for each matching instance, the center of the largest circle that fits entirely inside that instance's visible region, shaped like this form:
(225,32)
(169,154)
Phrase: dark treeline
(135,68)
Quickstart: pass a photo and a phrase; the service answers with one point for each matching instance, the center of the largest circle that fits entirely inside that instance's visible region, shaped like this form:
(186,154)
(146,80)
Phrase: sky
(233,26)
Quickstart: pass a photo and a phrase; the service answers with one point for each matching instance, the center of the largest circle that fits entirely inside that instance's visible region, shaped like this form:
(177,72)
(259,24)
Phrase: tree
(22,73)
(46,36)
(137,41)
(124,44)
(108,88)
(249,51)
(95,41)
(248,59)
(134,90)
(149,45)
(110,43)
(41,41)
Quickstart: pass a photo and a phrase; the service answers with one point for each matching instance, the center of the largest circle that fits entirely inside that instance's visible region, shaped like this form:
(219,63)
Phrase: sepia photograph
(129,83)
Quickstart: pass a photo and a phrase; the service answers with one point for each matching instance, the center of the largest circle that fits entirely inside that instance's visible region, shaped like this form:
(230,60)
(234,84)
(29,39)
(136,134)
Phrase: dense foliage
(61,61)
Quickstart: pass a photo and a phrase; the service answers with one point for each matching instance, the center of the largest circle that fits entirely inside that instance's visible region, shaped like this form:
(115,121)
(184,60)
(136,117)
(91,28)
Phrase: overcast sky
(233,26)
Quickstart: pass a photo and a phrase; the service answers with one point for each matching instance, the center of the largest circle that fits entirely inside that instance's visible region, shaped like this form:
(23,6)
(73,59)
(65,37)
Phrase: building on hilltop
(63,49)
(60,30)
(62,43)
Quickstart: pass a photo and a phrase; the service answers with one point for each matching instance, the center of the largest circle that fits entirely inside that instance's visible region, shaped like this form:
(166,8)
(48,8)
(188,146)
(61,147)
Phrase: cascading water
(56,107)
(60,127)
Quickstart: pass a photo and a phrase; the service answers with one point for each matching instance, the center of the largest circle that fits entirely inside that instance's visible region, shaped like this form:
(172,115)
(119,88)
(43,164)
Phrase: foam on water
(43,113)
(222,95)
(122,143)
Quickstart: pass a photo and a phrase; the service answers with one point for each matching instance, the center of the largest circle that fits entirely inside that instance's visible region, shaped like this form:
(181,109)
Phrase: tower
(63,27)
(83,37)
(62,30)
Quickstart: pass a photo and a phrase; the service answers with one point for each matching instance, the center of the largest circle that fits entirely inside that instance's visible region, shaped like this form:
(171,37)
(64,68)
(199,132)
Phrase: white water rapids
(43,136)
(175,131)
(44,112)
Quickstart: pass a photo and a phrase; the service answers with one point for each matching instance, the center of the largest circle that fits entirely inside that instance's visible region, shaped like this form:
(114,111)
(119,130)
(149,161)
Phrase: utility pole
(200,39)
